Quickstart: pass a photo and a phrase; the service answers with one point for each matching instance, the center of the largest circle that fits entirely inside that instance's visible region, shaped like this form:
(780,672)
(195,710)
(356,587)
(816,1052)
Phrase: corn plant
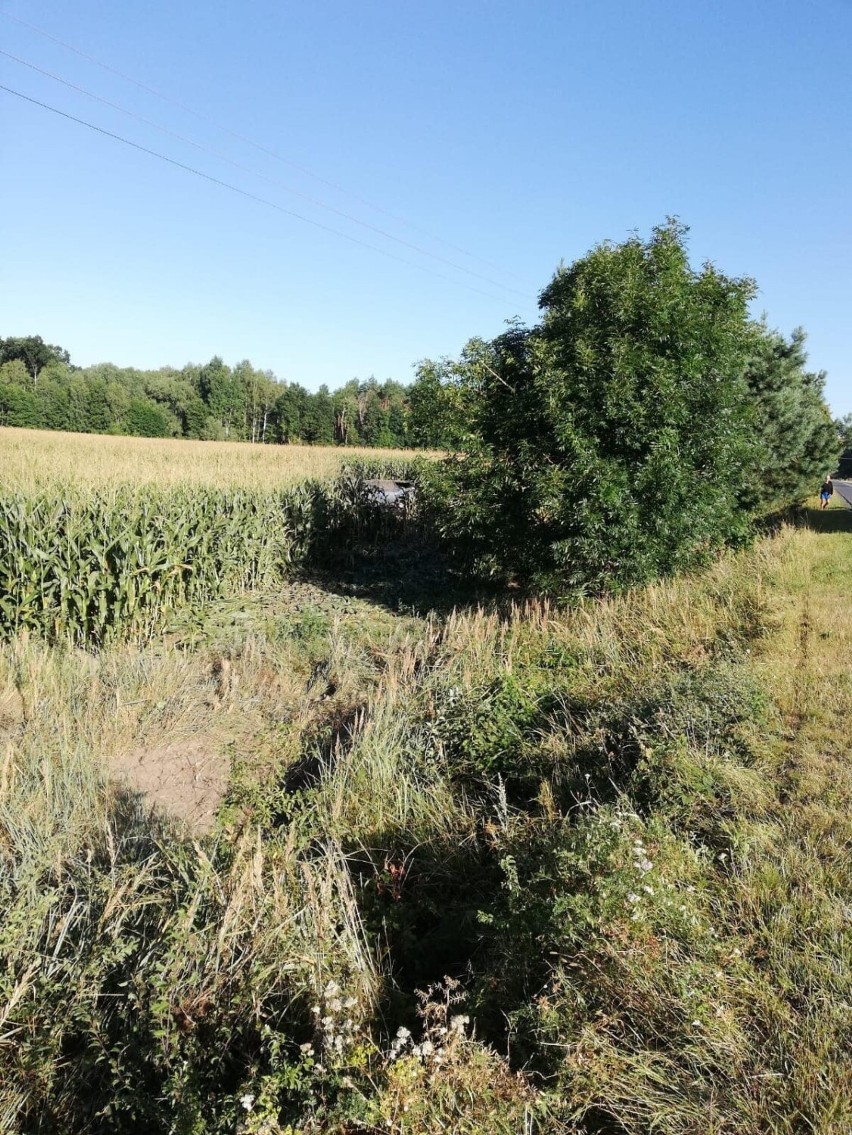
(93,566)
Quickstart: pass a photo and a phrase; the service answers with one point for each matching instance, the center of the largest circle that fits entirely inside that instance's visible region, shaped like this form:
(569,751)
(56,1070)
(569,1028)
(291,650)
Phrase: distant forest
(40,388)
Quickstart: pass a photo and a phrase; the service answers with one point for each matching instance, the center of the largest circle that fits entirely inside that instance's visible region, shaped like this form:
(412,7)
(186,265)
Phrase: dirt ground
(186,778)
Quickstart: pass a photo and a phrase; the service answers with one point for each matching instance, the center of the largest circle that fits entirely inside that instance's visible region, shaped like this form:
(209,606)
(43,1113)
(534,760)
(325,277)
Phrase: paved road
(844,491)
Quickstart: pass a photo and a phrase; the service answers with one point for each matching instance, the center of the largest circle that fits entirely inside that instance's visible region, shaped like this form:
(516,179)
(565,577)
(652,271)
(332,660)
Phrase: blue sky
(501,137)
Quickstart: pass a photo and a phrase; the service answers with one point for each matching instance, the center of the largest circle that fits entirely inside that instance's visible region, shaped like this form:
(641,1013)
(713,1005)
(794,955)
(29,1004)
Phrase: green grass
(594,861)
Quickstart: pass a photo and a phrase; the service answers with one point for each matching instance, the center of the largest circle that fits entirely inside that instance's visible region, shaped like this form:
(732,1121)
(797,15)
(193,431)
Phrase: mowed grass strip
(32,459)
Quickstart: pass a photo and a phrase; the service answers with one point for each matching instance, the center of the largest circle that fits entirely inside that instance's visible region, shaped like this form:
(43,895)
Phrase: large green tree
(146,419)
(20,406)
(843,426)
(318,419)
(440,412)
(225,396)
(614,437)
(33,352)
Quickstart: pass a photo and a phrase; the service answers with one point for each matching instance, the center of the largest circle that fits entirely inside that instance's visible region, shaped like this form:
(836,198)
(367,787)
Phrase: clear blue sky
(520,133)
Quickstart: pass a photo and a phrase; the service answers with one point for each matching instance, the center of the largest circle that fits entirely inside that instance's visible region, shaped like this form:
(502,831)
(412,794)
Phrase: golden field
(33,458)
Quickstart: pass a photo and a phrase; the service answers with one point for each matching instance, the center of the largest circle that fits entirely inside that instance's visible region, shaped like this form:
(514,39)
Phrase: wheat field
(32,459)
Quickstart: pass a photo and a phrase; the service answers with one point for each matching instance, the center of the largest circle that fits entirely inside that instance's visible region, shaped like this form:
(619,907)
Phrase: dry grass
(633,816)
(34,458)
(90,881)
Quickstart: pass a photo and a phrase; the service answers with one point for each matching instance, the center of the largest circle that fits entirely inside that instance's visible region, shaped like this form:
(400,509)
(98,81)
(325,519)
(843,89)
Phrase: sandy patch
(12,709)
(186,778)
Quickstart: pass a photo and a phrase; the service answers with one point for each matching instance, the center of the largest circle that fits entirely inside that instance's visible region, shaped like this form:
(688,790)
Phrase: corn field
(45,458)
(94,566)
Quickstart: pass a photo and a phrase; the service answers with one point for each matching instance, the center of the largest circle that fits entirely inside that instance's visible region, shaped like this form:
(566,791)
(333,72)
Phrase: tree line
(40,388)
(639,366)
(844,428)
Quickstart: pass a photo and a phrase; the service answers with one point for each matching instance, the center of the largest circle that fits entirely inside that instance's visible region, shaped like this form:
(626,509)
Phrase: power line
(243,192)
(256,145)
(255,173)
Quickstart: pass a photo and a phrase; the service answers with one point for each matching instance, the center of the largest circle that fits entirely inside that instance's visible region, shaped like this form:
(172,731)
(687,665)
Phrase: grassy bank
(580,871)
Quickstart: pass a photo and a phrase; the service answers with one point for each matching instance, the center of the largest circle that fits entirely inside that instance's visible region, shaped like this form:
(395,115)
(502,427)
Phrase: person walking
(826,492)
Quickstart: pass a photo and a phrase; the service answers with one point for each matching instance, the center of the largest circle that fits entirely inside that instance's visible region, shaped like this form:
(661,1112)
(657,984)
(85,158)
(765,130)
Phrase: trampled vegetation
(538,806)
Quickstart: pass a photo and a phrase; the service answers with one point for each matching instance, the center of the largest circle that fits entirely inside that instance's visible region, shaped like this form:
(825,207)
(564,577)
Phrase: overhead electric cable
(264,177)
(244,192)
(256,145)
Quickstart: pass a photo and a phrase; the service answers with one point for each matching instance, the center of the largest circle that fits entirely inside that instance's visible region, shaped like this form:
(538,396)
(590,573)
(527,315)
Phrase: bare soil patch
(186,778)
(12,710)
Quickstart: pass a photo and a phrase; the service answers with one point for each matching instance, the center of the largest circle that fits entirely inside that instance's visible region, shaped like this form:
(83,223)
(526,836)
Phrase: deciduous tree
(614,437)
